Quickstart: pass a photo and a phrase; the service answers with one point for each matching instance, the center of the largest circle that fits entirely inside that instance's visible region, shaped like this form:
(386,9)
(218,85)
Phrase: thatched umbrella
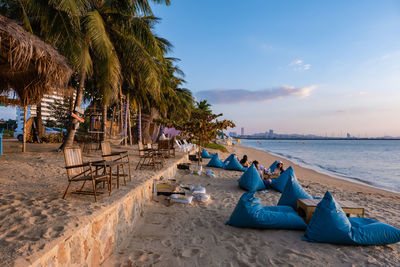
(28,66)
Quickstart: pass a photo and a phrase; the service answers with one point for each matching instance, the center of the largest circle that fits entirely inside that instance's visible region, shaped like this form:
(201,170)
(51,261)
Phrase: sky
(310,67)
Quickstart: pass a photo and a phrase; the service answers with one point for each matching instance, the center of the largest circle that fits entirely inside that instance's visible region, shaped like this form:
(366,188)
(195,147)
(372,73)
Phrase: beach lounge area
(191,133)
(43,228)
(35,220)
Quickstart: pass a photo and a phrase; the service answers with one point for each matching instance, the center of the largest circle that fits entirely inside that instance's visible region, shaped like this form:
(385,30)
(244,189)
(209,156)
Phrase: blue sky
(322,67)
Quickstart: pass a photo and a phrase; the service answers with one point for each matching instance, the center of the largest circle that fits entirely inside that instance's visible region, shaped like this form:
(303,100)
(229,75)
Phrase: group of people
(265,174)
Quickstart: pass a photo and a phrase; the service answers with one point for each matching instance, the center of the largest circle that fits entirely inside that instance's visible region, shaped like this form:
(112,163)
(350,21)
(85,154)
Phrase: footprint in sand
(166,243)
(190,252)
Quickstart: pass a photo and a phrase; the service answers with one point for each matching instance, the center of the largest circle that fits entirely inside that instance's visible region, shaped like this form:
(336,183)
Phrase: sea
(372,162)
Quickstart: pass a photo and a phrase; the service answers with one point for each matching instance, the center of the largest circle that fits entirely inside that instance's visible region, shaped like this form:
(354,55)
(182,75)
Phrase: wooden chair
(147,158)
(79,171)
(166,147)
(116,159)
(158,156)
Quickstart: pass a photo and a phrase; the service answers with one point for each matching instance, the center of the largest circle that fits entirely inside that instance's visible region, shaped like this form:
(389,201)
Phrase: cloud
(231,96)
(356,94)
(298,65)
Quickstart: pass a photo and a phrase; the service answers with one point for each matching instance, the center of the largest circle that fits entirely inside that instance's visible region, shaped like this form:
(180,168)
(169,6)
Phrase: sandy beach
(33,216)
(196,235)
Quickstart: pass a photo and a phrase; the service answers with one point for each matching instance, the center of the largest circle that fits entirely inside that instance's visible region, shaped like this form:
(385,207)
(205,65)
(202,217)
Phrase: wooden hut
(29,67)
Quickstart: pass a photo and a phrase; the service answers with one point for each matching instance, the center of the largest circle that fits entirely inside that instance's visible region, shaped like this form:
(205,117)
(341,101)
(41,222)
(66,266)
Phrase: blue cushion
(329,224)
(292,192)
(234,165)
(273,166)
(251,180)
(205,154)
(280,182)
(250,213)
(228,159)
(215,162)
(371,232)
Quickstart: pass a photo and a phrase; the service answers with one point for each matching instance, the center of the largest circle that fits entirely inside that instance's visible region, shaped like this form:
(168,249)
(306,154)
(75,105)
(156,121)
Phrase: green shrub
(8,133)
(216,146)
(52,138)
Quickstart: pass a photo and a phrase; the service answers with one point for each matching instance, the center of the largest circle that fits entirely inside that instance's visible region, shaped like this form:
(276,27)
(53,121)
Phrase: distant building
(242,131)
(47,100)
(233,134)
(271,133)
(348,135)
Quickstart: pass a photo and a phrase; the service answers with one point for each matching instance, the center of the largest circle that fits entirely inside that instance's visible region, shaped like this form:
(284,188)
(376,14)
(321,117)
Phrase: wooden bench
(306,207)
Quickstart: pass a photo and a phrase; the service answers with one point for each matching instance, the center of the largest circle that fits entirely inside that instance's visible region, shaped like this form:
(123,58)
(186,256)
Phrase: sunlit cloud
(298,65)
(231,96)
(355,94)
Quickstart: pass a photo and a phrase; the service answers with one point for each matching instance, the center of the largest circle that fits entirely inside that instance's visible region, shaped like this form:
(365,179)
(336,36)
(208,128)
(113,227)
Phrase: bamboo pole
(129,121)
(112,123)
(126,124)
(139,123)
(104,122)
(24,130)
(121,112)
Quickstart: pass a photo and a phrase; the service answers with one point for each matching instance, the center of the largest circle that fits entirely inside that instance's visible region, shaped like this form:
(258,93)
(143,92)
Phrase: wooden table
(306,207)
(111,165)
(271,176)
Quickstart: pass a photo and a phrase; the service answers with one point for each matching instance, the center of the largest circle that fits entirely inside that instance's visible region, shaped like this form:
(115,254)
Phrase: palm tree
(80,29)
(204,106)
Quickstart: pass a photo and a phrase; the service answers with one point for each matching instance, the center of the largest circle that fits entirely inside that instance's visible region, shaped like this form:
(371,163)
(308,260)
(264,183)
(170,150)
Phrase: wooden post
(24,129)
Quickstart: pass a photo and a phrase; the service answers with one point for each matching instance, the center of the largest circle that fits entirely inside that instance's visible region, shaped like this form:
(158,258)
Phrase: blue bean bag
(228,159)
(251,180)
(251,214)
(292,192)
(329,224)
(280,182)
(215,162)
(205,154)
(273,166)
(234,165)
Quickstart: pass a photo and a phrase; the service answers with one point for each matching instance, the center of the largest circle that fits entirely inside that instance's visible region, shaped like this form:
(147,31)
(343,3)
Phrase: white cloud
(298,65)
(296,62)
(231,96)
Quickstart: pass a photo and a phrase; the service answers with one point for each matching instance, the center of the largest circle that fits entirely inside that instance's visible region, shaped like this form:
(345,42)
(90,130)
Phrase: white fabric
(175,198)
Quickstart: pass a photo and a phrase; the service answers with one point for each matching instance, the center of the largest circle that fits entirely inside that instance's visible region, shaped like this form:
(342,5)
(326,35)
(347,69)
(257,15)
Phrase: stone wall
(94,242)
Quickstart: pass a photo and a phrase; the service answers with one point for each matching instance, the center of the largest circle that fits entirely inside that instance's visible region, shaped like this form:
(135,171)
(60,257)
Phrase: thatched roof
(28,65)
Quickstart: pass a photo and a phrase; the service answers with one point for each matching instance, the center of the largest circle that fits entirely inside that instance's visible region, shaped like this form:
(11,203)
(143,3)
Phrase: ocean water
(373,162)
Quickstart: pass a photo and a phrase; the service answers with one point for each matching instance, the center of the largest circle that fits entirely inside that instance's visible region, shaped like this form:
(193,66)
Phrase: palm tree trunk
(104,122)
(69,139)
(24,130)
(139,123)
